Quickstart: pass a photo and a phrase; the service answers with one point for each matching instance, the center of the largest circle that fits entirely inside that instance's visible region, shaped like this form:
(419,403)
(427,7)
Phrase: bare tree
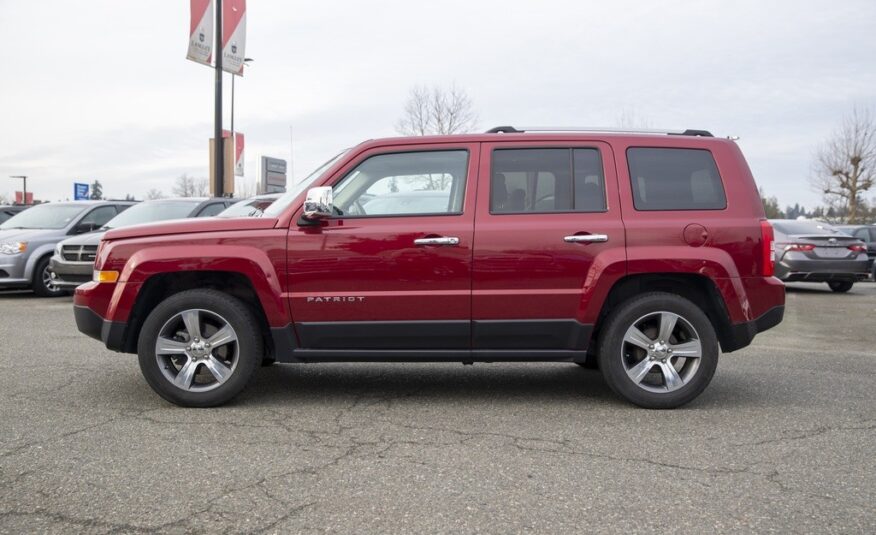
(244,189)
(154,193)
(630,118)
(844,165)
(437,111)
(189,186)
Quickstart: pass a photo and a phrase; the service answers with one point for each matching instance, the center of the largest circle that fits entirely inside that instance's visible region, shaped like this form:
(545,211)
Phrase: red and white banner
(233,35)
(238,151)
(201,32)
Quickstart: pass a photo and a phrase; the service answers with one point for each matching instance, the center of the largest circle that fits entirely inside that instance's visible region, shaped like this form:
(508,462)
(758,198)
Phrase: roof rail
(513,130)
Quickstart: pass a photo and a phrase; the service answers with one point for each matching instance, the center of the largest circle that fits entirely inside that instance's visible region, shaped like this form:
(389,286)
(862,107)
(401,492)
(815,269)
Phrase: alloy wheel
(197,350)
(661,352)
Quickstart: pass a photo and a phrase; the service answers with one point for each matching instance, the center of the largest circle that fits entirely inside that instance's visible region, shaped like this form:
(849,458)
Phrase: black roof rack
(513,130)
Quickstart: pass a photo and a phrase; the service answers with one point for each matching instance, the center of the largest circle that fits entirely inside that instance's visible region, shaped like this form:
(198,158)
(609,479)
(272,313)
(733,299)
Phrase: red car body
(513,289)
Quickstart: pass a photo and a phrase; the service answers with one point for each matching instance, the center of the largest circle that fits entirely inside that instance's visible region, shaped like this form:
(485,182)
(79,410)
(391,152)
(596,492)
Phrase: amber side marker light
(106,276)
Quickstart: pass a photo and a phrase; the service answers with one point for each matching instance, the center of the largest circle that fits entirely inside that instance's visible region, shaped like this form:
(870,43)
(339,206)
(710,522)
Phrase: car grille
(79,253)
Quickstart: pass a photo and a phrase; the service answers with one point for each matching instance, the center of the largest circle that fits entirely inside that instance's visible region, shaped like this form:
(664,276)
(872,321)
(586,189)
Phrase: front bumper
(12,271)
(70,274)
(88,322)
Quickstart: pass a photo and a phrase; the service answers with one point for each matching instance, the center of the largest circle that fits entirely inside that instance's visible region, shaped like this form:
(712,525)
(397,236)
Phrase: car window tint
(212,209)
(546,180)
(408,183)
(675,179)
(99,216)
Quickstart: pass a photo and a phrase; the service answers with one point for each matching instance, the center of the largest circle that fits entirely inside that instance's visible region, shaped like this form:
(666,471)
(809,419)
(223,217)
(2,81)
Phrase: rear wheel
(42,284)
(199,348)
(840,286)
(658,350)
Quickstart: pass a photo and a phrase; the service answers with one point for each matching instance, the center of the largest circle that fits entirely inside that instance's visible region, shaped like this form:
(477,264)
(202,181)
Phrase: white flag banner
(233,36)
(201,32)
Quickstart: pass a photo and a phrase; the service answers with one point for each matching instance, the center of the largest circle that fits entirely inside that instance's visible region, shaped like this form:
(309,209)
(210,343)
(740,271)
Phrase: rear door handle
(440,240)
(585,238)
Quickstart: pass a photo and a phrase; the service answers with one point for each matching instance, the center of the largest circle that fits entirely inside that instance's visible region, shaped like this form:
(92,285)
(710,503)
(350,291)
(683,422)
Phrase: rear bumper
(822,270)
(90,323)
(741,334)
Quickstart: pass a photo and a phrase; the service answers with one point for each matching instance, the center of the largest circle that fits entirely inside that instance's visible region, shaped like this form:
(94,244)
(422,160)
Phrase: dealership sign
(233,35)
(272,178)
(80,191)
(201,32)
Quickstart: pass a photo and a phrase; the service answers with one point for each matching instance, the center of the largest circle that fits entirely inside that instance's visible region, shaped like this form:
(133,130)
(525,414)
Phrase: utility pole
(219,142)
(24,179)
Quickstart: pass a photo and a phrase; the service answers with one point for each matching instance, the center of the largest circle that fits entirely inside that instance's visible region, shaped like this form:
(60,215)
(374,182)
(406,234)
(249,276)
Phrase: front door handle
(440,240)
(586,238)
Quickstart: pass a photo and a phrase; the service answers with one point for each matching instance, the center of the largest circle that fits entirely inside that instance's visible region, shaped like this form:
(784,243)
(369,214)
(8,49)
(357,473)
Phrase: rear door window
(547,180)
(675,179)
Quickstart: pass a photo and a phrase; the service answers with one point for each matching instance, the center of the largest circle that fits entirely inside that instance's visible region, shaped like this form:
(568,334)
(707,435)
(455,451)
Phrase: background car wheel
(42,281)
(199,348)
(658,350)
(840,286)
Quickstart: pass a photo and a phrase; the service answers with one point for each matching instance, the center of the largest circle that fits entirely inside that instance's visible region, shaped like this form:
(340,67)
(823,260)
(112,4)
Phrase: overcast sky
(102,90)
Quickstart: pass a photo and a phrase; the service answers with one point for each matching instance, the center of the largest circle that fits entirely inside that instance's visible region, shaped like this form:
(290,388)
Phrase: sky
(101,90)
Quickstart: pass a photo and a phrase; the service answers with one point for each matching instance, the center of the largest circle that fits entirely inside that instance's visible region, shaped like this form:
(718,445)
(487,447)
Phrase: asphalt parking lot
(782,440)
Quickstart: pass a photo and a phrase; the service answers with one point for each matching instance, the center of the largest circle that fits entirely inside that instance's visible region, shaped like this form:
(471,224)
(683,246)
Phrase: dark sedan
(811,251)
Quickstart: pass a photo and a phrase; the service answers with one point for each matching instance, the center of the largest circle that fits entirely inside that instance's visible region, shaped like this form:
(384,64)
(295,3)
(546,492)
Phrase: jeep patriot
(645,254)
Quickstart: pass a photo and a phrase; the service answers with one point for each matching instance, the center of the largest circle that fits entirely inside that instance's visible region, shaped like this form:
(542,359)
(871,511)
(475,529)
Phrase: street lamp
(246,61)
(24,180)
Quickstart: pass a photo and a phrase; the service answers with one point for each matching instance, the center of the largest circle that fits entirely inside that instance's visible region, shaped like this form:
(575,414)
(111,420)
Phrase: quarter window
(675,179)
(547,180)
(407,183)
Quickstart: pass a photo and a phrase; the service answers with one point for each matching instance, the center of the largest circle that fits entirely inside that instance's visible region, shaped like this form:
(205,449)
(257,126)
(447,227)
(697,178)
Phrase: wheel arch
(698,289)
(159,287)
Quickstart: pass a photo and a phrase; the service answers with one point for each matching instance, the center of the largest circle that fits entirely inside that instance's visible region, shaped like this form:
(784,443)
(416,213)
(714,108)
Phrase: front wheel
(840,286)
(43,285)
(658,350)
(199,348)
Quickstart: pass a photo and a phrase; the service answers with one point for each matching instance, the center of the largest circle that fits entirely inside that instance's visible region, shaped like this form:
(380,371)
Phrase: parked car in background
(7,212)
(867,234)
(811,251)
(650,253)
(252,207)
(28,240)
(73,259)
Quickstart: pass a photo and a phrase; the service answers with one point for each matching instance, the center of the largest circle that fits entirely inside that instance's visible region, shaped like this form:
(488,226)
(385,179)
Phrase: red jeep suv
(640,253)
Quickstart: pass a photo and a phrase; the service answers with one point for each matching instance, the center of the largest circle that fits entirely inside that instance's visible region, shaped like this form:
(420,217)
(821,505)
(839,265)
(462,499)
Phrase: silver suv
(28,240)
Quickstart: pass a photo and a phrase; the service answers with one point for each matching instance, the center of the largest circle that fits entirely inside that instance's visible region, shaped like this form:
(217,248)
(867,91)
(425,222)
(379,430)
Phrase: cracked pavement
(782,440)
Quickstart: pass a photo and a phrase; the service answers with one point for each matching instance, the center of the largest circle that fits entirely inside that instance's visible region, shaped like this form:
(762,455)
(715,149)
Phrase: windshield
(45,216)
(283,202)
(149,211)
(249,207)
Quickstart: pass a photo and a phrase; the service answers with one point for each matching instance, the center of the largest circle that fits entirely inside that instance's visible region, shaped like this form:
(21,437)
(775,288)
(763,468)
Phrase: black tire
(210,304)
(615,355)
(39,283)
(840,286)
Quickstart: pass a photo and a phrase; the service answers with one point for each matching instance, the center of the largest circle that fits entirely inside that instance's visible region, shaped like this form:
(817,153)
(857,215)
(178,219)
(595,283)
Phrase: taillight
(768,254)
(858,248)
(799,247)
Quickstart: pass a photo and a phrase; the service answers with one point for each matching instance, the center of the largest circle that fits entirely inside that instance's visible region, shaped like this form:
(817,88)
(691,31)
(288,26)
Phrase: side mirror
(82,228)
(318,204)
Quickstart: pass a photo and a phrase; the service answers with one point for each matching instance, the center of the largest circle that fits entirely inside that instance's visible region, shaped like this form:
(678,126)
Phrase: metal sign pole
(218,143)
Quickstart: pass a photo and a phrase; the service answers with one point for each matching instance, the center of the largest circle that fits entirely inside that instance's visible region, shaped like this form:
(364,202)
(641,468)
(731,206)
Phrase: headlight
(13,247)
(58,250)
